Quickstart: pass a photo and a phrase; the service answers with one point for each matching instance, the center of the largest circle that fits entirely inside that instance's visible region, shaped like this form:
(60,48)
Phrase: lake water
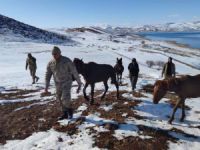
(190,38)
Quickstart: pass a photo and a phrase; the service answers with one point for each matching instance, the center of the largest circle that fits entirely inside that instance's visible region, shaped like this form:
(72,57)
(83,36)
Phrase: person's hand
(79,87)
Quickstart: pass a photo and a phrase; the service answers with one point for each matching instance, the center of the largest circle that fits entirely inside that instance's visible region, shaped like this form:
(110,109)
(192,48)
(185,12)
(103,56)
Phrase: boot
(37,78)
(64,116)
(33,81)
(70,113)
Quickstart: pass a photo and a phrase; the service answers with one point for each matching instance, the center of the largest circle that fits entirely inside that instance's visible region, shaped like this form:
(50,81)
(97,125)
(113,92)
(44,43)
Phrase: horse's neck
(84,70)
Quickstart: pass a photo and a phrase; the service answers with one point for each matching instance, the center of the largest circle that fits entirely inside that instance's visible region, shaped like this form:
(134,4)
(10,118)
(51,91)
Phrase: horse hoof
(91,102)
(170,121)
(87,99)
(181,120)
(102,97)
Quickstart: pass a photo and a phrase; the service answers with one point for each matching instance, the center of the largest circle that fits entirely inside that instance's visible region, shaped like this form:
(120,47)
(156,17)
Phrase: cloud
(196,17)
(173,16)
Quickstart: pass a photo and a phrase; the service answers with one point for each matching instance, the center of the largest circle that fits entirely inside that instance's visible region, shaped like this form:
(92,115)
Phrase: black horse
(92,73)
(119,68)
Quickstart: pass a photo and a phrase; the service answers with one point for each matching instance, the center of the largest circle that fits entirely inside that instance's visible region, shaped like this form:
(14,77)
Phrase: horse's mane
(94,63)
(172,83)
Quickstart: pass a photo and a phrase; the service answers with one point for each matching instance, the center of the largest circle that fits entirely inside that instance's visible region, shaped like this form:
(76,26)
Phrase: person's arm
(129,67)
(174,70)
(35,63)
(75,75)
(163,70)
(138,69)
(48,77)
(26,64)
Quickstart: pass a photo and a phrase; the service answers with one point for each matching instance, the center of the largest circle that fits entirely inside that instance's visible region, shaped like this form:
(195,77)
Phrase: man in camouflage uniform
(169,69)
(62,70)
(133,73)
(31,62)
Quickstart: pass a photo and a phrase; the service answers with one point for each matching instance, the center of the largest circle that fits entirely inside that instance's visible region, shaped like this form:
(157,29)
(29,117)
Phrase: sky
(74,13)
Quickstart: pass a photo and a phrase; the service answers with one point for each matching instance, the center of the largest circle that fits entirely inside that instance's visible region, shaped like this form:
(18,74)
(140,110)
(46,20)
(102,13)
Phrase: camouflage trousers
(32,73)
(63,94)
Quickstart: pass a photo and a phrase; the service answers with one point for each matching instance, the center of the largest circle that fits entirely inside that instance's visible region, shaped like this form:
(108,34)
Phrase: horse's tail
(114,81)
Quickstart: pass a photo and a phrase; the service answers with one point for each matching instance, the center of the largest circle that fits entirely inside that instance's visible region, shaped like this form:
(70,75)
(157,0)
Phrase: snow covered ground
(99,48)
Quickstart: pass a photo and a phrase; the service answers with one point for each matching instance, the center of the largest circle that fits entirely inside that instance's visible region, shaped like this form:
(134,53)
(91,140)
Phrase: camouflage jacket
(31,62)
(62,71)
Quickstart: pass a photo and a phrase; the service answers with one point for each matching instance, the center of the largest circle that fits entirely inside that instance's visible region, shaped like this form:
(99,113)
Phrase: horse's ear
(117,58)
(121,59)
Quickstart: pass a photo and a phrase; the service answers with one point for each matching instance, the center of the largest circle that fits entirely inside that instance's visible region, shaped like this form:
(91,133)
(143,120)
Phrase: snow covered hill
(168,27)
(12,30)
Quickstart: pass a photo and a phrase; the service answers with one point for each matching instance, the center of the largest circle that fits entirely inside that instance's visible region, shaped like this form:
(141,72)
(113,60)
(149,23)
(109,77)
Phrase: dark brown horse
(185,87)
(119,68)
(93,73)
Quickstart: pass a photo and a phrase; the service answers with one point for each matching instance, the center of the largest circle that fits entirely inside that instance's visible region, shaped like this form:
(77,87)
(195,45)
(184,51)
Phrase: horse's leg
(92,94)
(121,78)
(117,77)
(84,91)
(106,89)
(117,87)
(183,110)
(174,111)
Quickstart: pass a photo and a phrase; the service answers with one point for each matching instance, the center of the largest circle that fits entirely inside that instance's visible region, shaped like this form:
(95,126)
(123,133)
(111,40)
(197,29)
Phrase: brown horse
(185,87)
(119,68)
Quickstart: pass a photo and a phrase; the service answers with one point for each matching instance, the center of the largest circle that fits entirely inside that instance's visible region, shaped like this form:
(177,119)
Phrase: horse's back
(190,86)
(98,72)
(101,67)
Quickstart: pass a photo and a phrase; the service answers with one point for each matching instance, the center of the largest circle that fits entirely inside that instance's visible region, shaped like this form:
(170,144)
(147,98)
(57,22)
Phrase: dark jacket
(169,70)
(133,68)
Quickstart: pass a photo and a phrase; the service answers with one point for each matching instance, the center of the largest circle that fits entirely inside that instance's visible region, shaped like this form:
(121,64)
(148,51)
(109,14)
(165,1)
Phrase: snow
(49,140)
(98,48)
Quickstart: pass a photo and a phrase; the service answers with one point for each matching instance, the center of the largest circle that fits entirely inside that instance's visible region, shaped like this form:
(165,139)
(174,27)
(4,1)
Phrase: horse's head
(160,89)
(119,61)
(79,64)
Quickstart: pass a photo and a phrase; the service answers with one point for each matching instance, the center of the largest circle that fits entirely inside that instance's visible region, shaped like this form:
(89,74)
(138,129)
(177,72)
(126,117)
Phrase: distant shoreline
(181,44)
(176,43)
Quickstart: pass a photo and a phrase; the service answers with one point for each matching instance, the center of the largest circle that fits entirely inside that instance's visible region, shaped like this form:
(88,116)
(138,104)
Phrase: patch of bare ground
(71,128)
(22,123)
(159,140)
(148,88)
(138,94)
(83,29)
(16,94)
(121,109)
